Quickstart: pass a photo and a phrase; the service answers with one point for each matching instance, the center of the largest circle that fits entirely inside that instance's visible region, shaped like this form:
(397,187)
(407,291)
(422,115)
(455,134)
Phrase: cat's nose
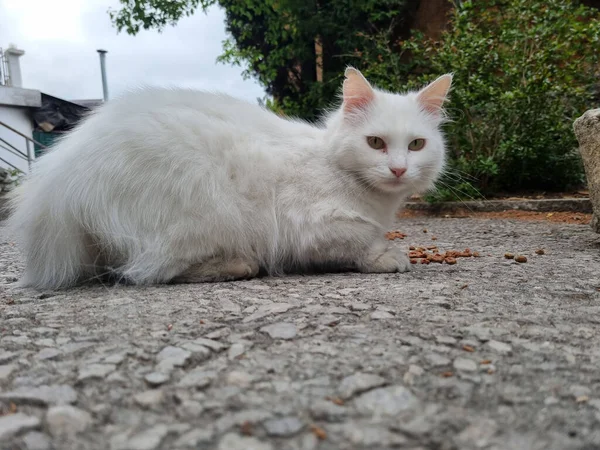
(398,171)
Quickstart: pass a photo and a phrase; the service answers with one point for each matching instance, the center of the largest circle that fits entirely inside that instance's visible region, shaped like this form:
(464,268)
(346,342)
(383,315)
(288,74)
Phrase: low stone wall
(587,130)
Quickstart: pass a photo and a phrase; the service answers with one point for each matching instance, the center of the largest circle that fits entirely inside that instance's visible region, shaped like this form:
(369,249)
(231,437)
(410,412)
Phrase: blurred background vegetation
(524,70)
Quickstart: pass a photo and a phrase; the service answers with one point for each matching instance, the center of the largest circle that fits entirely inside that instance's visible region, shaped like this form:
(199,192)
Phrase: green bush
(524,70)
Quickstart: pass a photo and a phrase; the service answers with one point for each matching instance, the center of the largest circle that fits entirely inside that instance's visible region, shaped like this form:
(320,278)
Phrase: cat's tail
(48,233)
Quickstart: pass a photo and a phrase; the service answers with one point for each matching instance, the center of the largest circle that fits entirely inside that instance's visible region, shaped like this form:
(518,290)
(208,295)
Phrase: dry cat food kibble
(318,432)
(431,254)
(509,256)
(540,252)
(392,235)
(521,259)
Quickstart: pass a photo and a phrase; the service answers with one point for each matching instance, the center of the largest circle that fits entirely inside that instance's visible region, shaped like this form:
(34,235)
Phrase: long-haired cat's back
(176,185)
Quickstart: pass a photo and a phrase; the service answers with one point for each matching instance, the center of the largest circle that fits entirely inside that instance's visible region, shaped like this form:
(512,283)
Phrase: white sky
(60,38)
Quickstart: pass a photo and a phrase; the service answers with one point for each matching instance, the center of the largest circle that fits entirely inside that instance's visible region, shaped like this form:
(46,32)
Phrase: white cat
(168,185)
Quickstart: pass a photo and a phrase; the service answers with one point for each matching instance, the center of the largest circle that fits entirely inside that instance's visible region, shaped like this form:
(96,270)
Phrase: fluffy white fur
(168,185)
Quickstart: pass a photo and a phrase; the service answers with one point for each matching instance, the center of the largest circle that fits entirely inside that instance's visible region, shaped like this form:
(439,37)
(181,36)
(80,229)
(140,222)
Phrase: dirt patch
(556,217)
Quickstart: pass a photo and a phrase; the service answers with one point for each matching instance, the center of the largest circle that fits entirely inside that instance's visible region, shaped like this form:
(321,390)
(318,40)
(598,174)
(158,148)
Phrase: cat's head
(390,142)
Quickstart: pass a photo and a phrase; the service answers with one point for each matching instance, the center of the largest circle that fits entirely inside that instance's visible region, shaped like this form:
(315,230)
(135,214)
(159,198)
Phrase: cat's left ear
(357,91)
(433,96)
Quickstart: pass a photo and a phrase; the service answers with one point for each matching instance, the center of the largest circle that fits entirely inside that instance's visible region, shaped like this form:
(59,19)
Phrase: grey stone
(358,306)
(465,365)
(580,391)
(388,401)
(156,378)
(6,357)
(34,440)
(595,402)
(446,340)
(48,353)
(195,437)
(17,340)
(6,370)
(45,342)
(232,441)
(219,334)
(280,330)
(15,424)
(95,371)
(267,310)
(238,349)
(417,427)
(198,378)
(148,439)
(478,434)
(66,420)
(328,411)
(192,408)
(209,343)
(170,357)
(284,426)
(150,398)
(501,348)
(116,359)
(587,130)
(481,333)
(200,352)
(361,435)
(359,382)
(239,378)
(436,360)
(413,373)
(60,394)
(380,315)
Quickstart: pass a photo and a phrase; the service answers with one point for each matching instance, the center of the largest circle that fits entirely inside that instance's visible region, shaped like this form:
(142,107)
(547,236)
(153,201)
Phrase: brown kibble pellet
(425,230)
(521,259)
(509,255)
(412,247)
(338,401)
(413,261)
(540,252)
(318,432)
(425,261)
(450,260)
(392,235)
(476,254)
(448,374)
(246,428)
(433,238)
(468,348)
(486,361)
(437,258)
(432,247)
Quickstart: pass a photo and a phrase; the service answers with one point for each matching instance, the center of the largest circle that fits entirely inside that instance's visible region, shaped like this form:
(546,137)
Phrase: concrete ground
(484,354)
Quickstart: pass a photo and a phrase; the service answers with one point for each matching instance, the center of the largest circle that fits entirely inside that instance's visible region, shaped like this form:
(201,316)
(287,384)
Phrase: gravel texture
(484,354)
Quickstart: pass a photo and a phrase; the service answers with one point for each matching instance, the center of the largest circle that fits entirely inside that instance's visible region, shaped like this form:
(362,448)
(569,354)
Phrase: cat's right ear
(357,92)
(433,96)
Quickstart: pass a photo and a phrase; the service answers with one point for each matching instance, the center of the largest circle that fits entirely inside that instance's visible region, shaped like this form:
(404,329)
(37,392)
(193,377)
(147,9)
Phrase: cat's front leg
(384,258)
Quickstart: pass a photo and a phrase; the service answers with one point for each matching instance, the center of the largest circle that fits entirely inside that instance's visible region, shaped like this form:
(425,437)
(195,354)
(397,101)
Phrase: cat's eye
(416,145)
(375,142)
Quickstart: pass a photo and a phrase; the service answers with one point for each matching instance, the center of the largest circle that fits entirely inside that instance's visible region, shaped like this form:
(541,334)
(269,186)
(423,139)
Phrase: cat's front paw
(391,260)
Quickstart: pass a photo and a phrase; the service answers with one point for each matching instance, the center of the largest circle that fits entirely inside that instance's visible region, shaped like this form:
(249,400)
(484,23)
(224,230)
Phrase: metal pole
(28,154)
(102,54)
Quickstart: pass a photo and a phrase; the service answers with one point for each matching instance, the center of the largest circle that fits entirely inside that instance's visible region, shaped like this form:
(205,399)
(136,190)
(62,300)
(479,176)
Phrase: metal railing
(29,156)
(4,75)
